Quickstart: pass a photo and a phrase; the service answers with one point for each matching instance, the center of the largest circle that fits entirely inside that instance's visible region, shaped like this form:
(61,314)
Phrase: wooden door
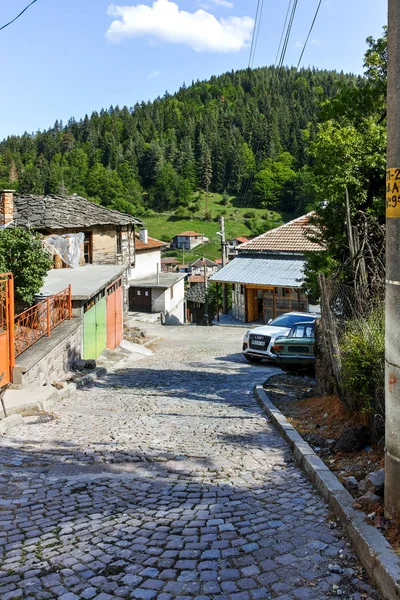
(95,329)
(114,315)
(7,350)
(140,299)
(252,305)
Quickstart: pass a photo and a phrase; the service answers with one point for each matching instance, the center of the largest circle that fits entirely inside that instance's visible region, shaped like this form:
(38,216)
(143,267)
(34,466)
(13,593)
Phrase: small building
(152,290)
(233,245)
(196,304)
(201,263)
(169,265)
(147,255)
(188,240)
(93,247)
(268,272)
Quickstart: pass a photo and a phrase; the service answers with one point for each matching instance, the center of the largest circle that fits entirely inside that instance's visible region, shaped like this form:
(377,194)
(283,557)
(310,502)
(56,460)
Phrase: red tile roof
(291,237)
(196,279)
(242,240)
(169,261)
(189,234)
(151,243)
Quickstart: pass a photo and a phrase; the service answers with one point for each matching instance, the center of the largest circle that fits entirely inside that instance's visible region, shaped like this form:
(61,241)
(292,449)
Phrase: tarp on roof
(276,271)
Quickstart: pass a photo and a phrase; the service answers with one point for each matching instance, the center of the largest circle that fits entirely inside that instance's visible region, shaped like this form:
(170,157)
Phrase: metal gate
(114,315)
(7,354)
(95,327)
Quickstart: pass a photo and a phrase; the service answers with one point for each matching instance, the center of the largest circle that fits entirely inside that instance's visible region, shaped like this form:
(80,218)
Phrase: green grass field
(239,221)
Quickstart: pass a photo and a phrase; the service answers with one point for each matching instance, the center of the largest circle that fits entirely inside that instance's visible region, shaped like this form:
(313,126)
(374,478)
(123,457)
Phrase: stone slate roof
(197,293)
(72,212)
(291,237)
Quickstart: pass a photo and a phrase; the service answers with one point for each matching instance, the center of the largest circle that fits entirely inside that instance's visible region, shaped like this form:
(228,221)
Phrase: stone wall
(56,364)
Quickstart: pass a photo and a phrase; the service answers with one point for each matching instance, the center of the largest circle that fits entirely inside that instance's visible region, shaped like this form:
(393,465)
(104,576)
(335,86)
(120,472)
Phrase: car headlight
(246,336)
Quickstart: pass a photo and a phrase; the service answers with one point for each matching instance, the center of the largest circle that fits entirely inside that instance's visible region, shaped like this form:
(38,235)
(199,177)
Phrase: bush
(250,214)
(225,199)
(182,212)
(363,367)
(23,255)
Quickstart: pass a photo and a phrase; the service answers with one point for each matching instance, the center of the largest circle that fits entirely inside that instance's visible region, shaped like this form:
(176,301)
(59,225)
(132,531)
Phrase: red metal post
(48,317)
(11,325)
(70,301)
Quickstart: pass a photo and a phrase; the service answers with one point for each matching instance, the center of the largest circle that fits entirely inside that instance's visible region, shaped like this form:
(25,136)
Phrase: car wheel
(252,359)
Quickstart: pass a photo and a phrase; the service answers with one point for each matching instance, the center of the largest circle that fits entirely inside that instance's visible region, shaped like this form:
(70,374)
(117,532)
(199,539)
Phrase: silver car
(258,342)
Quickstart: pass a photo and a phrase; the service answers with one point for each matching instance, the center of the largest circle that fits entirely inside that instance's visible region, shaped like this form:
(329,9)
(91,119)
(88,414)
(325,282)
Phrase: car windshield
(289,320)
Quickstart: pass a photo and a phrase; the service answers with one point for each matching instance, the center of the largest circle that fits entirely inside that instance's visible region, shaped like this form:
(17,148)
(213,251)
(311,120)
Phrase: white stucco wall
(173,308)
(146,264)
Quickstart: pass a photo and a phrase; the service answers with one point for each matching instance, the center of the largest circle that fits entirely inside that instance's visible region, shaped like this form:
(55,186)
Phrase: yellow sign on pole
(392,193)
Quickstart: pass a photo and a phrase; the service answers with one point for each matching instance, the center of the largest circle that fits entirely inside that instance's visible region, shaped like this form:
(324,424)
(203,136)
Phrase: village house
(198,266)
(169,265)
(188,240)
(92,248)
(267,275)
(152,290)
(234,244)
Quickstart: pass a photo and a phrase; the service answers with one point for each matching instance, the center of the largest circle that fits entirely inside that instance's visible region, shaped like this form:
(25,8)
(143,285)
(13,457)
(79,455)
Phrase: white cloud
(224,3)
(153,74)
(164,22)
(315,42)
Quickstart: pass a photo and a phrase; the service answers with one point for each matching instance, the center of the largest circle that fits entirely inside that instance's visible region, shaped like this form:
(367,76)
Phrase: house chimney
(144,236)
(6,207)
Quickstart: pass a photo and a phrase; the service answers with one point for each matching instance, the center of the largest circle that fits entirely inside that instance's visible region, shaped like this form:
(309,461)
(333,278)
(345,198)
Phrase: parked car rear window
(302,331)
(289,320)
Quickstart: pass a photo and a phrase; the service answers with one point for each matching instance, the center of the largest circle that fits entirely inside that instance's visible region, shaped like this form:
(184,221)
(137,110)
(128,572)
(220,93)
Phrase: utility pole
(223,256)
(392,334)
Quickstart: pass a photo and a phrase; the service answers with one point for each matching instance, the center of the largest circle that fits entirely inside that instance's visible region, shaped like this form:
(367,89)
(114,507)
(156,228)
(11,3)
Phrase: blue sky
(65,58)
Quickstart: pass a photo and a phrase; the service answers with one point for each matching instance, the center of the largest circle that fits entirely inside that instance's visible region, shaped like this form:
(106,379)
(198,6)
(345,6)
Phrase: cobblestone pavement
(166,481)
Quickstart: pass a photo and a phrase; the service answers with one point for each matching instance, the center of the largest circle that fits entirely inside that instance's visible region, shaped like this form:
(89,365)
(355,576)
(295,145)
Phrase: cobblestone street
(166,481)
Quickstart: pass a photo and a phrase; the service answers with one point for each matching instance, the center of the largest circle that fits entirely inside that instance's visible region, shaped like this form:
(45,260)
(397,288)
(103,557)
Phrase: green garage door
(95,329)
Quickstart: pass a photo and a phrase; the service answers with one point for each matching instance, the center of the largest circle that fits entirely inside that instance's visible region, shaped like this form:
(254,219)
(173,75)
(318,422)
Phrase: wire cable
(287,36)
(254,33)
(283,30)
(18,16)
(309,33)
(258,30)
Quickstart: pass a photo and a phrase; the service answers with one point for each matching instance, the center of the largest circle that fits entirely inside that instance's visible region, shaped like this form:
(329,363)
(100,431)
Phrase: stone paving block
(166,481)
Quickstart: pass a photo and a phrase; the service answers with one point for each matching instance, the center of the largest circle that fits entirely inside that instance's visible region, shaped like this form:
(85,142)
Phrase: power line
(18,16)
(255,34)
(258,28)
(283,30)
(309,33)
(288,32)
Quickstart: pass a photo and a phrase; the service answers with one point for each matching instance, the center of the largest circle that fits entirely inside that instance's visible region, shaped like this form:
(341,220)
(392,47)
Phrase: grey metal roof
(86,281)
(268,270)
(162,280)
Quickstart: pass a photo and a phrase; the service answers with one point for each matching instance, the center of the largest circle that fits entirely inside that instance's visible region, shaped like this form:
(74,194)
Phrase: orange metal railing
(39,320)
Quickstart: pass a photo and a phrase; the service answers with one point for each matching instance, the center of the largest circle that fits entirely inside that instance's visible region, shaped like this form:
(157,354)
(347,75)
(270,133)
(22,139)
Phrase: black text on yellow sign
(392,193)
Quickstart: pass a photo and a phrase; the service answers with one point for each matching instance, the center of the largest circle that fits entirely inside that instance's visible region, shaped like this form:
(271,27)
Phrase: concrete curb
(10,422)
(374,551)
(45,405)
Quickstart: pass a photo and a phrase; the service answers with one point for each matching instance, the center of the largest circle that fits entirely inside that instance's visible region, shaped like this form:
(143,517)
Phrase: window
(119,242)
(88,248)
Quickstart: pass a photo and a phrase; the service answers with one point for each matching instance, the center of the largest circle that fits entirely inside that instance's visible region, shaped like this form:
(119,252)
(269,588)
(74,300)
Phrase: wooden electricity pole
(392,334)
(223,257)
